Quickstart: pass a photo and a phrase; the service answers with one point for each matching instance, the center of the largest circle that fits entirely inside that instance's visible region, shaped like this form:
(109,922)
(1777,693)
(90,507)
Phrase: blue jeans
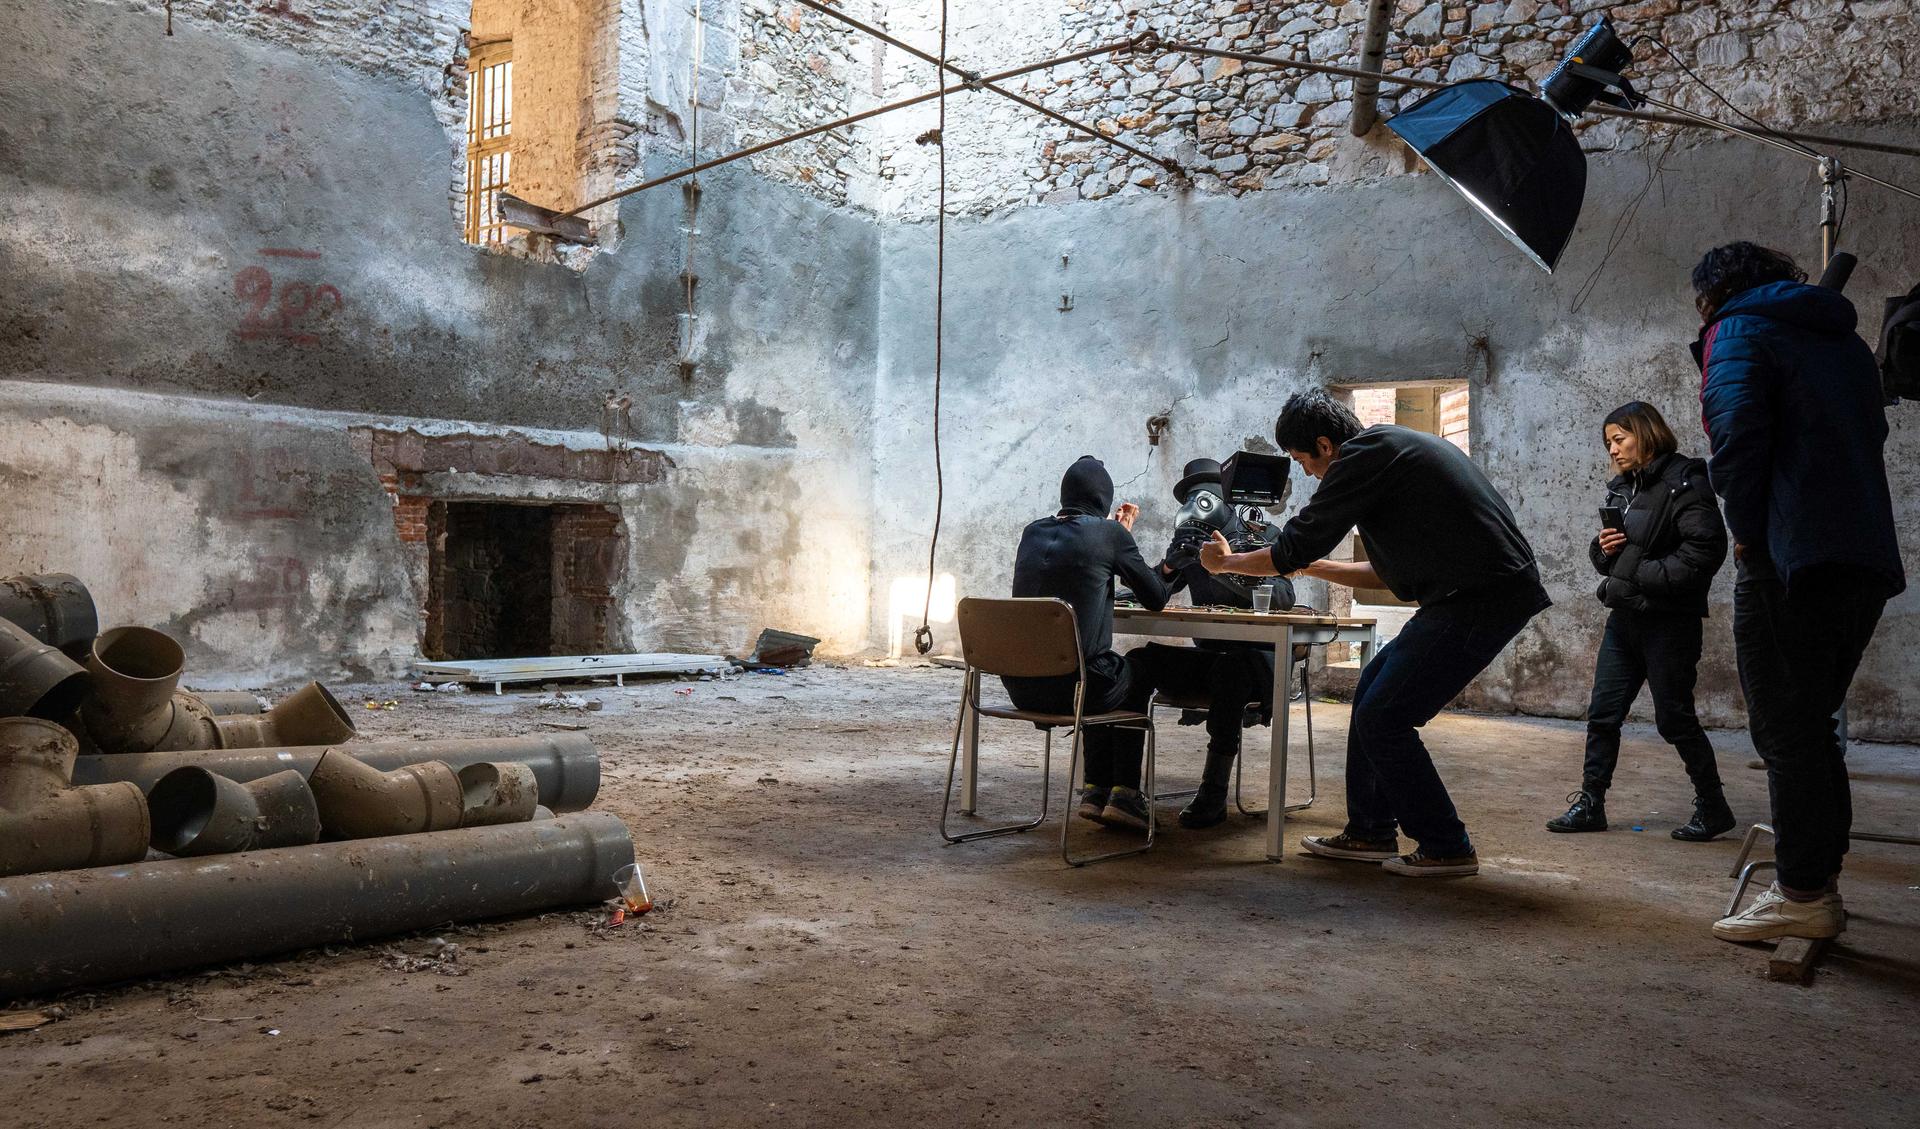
(1390,776)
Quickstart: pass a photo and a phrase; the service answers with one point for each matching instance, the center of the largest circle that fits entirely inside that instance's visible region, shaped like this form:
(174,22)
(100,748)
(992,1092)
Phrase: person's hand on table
(1126,514)
(1612,541)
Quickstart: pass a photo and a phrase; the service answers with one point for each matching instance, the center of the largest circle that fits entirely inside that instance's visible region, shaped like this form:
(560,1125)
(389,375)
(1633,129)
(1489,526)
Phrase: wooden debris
(25,1020)
(1793,959)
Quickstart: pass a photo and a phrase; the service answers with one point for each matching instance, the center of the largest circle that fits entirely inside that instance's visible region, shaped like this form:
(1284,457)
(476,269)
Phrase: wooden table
(1283,630)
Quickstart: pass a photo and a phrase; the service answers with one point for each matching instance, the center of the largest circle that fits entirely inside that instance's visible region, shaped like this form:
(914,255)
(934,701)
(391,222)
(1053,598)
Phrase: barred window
(489,132)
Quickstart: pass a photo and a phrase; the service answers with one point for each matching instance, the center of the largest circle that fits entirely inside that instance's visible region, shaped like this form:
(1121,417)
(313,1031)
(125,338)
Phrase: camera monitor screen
(1252,479)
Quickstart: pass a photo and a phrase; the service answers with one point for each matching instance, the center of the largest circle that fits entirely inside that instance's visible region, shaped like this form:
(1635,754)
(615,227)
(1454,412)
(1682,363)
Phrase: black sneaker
(1093,801)
(1588,813)
(1126,808)
(1345,846)
(1419,864)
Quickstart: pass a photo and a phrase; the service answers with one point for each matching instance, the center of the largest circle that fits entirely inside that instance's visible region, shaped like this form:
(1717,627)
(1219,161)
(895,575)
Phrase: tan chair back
(1019,638)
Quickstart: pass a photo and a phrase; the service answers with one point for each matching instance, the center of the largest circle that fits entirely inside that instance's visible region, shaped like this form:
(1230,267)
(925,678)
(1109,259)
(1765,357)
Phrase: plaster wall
(222,251)
(1213,309)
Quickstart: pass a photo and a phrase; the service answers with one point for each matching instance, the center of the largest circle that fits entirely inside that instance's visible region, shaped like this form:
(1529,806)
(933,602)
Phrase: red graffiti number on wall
(277,582)
(296,315)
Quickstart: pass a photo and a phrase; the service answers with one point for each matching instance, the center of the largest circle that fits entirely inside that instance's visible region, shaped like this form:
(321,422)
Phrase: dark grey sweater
(1433,526)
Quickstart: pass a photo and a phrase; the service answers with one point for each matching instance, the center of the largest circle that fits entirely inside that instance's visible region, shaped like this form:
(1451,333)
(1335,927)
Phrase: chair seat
(1051,720)
(1177,702)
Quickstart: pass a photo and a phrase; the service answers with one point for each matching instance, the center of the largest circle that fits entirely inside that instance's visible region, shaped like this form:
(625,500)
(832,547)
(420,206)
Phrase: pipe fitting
(36,679)
(360,802)
(45,822)
(308,716)
(197,812)
(137,705)
(497,792)
(54,608)
(228,703)
(565,764)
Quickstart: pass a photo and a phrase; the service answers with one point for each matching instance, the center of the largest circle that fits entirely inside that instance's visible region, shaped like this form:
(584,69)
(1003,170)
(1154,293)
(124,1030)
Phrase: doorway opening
(1437,407)
(515,580)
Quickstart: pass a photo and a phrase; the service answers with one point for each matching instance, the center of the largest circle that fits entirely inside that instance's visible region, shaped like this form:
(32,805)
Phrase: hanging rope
(923,635)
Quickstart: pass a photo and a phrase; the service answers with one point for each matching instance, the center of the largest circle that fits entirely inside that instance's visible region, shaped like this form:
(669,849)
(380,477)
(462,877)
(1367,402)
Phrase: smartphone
(1612,517)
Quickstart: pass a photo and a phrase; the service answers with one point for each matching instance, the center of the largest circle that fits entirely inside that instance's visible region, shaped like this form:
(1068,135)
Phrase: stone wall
(1246,128)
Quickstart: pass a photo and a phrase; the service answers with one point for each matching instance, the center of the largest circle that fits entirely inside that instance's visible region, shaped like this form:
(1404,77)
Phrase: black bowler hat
(1199,472)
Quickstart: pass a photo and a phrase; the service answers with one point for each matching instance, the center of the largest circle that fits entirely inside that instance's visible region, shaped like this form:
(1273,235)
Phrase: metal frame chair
(1744,870)
(1032,638)
(1162,701)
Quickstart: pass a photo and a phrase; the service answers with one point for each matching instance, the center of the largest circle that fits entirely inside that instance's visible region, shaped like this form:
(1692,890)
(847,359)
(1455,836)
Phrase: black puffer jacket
(1676,540)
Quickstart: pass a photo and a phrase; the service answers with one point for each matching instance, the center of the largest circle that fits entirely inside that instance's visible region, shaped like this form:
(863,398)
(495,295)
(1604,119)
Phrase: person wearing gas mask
(1075,555)
(1235,678)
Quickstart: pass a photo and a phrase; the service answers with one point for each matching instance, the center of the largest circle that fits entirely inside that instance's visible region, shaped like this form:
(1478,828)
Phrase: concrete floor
(825,957)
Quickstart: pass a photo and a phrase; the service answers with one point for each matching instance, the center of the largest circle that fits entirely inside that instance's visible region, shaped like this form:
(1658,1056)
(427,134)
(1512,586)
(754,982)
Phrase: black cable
(1656,166)
(923,636)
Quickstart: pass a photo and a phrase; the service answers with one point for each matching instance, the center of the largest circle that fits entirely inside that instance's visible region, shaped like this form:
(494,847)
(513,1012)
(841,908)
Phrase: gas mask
(1205,513)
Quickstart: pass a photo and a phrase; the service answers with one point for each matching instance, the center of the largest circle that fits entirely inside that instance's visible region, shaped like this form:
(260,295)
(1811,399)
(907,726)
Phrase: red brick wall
(589,558)
(589,541)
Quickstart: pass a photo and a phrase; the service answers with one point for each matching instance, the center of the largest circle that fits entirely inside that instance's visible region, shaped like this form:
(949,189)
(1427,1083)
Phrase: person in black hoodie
(1654,576)
(1234,678)
(1075,556)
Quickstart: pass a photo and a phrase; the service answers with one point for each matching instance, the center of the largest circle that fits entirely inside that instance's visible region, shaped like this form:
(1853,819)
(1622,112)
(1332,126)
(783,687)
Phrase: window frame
(489,157)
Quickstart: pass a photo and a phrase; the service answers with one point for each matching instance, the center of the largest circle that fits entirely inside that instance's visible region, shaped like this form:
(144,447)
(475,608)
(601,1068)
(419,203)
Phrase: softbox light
(1511,156)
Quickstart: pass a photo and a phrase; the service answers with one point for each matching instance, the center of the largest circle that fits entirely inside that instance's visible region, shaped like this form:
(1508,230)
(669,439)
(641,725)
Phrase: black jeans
(1227,681)
(1798,650)
(1112,752)
(1661,650)
(1390,775)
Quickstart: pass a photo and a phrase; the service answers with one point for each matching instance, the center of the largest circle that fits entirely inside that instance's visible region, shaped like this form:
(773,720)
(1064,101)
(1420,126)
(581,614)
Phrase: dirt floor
(823,957)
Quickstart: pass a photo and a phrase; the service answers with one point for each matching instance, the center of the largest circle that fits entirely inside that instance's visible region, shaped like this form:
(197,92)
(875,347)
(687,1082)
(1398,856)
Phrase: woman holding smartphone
(1661,540)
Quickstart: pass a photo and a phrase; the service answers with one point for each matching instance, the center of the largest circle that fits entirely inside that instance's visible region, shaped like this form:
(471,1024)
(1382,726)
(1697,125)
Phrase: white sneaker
(1839,907)
(1773,915)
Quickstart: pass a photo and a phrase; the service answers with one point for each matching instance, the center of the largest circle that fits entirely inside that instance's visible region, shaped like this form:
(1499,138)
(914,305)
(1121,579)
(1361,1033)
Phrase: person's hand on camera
(1125,515)
(1612,541)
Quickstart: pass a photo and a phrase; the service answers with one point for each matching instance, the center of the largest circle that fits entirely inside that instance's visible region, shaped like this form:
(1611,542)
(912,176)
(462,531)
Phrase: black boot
(1588,813)
(1209,805)
(1712,818)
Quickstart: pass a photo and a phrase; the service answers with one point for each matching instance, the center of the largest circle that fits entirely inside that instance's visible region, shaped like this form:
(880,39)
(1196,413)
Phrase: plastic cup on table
(1263,598)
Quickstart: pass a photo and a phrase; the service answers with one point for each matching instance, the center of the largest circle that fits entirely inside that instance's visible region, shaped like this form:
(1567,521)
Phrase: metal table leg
(1277,760)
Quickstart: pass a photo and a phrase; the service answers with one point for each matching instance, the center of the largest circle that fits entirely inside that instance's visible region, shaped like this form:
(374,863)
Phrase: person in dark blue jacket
(1793,408)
